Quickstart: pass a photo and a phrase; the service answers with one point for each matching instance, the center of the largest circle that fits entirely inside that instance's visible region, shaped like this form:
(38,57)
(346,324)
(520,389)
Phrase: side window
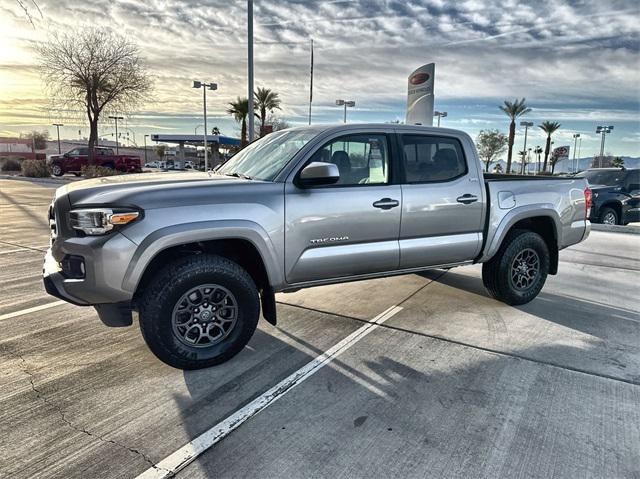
(633,181)
(432,158)
(84,151)
(361,159)
(74,152)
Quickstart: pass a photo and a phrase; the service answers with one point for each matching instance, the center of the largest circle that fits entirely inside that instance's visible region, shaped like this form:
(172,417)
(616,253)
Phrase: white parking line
(177,461)
(31,310)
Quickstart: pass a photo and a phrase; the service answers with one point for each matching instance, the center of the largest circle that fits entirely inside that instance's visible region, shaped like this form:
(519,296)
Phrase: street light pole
(58,125)
(526,125)
(116,118)
(145,149)
(440,114)
(603,130)
(250,66)
(345,103)
(575,144)
(204,86)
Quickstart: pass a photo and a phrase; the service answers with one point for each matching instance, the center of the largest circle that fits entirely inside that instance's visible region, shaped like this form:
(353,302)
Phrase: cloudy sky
(576,62)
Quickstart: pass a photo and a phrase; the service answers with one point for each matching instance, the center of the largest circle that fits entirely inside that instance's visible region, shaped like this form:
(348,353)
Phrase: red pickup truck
(73,161)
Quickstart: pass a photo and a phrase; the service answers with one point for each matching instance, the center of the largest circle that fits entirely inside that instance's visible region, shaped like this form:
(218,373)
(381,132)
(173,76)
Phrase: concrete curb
(50,181)
(634,230)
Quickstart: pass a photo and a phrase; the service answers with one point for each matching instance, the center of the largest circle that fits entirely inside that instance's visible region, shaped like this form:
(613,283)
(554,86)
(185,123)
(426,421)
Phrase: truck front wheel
(56,169)
(199,311)
(518,271)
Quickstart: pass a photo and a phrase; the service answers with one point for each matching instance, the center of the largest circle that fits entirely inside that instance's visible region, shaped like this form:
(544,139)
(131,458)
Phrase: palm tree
(266,101)
(513,110)
(240,110)
(549,127)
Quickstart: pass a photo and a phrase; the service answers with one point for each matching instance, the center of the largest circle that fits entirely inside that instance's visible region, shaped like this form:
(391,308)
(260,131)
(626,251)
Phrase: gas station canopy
(197,140)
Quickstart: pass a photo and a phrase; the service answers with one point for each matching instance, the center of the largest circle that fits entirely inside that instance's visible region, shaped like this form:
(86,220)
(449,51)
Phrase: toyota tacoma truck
(74,160)
(199,255)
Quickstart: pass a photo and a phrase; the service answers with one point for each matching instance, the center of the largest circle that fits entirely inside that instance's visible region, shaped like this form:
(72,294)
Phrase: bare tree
(96,71)
(490,144)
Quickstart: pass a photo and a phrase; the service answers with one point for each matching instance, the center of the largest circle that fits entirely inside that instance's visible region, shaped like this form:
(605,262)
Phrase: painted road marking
(31,310)
(184,456)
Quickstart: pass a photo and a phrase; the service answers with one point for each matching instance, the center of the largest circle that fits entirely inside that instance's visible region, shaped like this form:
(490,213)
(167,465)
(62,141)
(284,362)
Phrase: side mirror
(319,173)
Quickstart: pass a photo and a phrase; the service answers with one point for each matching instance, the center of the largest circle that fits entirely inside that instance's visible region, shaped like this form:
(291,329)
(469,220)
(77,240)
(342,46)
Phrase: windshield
(604,178)
(264,158)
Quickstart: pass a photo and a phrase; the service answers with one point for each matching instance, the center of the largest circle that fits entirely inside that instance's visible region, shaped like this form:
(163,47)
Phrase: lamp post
(249,68)
(58,125)
(526,125)
(575,144)
(346,103)
(145,149)
(204,86)
(440,114)
(602,130)
(116,118)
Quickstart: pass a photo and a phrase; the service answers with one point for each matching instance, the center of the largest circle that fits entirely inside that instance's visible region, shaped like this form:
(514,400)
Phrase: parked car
(616,195)
(199,254)
(73,161)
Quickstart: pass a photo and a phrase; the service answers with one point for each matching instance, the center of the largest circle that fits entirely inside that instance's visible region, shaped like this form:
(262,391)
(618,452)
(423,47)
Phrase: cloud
(572,60)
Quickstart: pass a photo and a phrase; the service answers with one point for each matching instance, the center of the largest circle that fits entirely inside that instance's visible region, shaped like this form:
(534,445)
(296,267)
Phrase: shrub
(93,171)
(10,164)
(35,169)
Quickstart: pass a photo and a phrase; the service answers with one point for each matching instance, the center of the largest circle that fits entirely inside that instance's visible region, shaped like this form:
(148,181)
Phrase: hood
(146,189)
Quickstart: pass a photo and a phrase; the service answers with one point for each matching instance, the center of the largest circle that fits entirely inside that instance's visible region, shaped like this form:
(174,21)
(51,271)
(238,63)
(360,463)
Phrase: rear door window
(429,159)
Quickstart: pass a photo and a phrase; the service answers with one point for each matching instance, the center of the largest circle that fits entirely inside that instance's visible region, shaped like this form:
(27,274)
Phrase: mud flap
(268,302)
(115,315)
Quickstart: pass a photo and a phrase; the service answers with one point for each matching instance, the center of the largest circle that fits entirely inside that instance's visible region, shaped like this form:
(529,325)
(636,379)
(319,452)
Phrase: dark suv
(616,195)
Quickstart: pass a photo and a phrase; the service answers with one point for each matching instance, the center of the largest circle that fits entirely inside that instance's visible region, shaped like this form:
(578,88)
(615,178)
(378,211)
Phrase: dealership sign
(420,96)
(561,152)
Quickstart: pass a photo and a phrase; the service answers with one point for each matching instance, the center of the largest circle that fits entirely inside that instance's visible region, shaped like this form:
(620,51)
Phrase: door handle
(467,199)
(386,203)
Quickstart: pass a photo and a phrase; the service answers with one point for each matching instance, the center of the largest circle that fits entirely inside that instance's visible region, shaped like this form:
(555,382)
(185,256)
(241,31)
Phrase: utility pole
(204,86)
(58,125)
(145,149)
(250,66)
(526,125)
(116,118)
(575,144)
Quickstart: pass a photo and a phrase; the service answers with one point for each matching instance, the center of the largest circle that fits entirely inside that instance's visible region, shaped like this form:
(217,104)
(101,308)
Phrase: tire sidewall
(57,170)
(527,240)
(156,319)
(606,211)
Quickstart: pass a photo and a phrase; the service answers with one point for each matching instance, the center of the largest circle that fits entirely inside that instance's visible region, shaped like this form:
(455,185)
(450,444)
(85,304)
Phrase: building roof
(196,139)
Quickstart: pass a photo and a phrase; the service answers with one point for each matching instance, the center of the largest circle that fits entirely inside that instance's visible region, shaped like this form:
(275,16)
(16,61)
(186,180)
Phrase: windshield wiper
(239,175)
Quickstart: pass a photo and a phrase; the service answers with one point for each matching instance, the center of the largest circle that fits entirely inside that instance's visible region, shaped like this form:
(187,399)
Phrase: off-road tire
(496,273)
(608,211)
(164,291)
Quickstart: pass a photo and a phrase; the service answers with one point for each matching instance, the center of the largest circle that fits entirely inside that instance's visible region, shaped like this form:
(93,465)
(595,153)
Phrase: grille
(52,224)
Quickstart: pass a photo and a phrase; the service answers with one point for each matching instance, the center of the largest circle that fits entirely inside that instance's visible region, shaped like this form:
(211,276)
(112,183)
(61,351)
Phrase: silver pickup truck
(198,254)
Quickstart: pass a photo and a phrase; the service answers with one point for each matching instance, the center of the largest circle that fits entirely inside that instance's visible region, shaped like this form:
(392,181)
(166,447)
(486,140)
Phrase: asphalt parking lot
(452,384)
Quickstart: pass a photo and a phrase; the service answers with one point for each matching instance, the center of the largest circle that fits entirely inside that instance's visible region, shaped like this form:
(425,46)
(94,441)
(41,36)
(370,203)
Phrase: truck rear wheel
(518,271)
(199,311)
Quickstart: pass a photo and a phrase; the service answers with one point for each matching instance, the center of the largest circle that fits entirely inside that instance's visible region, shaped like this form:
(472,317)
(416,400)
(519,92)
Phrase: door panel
(337,232)
(442,216)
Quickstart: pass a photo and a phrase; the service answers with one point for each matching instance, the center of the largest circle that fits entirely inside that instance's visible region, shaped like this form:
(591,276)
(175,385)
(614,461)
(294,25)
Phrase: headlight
(99,221)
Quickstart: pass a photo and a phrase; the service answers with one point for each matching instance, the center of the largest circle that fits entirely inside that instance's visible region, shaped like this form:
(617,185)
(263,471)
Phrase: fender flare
(185,233)
(519,214)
